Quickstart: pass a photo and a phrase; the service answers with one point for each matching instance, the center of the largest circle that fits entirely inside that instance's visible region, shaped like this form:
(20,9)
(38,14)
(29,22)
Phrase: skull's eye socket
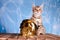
(26,25)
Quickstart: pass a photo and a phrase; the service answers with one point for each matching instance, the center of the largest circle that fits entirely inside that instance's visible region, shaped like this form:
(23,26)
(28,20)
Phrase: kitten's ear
(33,5)
(41,6)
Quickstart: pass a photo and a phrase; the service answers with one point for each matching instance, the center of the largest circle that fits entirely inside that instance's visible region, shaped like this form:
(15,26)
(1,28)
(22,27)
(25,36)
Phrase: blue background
(12,12)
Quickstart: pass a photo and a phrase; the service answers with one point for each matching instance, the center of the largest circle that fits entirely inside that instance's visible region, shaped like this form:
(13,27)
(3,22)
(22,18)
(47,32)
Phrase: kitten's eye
(26,25)
(35,9)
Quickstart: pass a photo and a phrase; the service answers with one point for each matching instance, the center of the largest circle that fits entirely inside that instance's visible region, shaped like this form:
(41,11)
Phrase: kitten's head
(37,10)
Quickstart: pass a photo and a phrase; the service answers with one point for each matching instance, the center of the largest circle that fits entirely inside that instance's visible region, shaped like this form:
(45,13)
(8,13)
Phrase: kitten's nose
(37,10)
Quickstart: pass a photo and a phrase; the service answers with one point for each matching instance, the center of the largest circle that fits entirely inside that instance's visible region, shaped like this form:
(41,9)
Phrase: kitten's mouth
(38,13)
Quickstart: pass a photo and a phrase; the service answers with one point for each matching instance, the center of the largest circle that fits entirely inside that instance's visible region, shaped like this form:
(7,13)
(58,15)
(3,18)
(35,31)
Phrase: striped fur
(37,19)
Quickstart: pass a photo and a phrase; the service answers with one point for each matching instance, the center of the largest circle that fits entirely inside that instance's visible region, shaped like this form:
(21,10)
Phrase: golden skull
(28,28)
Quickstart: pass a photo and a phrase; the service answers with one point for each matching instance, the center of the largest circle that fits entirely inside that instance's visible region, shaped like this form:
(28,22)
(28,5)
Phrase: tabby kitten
(37,19)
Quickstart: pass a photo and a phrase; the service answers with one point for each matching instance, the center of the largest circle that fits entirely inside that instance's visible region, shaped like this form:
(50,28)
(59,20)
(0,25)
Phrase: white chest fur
(37,21)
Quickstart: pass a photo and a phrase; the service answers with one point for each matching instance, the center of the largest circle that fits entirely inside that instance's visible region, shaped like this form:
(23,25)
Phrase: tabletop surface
(13,36)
